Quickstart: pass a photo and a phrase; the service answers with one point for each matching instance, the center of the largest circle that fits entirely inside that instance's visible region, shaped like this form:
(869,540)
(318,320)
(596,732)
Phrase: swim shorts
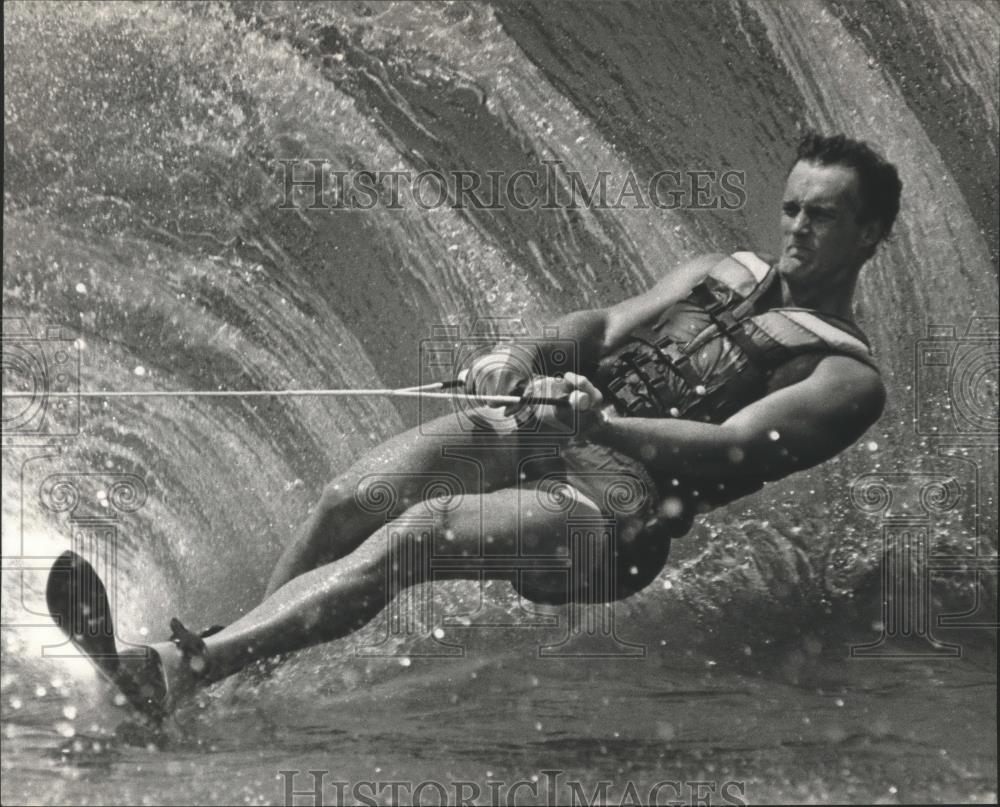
(625,493)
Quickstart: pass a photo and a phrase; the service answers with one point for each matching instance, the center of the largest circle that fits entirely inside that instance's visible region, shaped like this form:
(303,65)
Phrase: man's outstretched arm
(601,331)
(787,431)
(595,333)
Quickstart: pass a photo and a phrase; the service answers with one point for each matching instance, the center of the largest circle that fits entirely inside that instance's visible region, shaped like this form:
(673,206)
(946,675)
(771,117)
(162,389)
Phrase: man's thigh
(453,452)
(553,546)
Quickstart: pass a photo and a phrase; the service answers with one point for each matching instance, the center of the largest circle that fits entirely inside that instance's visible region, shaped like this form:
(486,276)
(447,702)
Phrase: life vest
(727,344)
(722,347)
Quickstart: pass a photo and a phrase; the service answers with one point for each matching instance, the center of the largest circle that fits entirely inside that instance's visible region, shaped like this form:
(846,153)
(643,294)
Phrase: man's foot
(79,605)
(185,662)
(152,679)
(141,681)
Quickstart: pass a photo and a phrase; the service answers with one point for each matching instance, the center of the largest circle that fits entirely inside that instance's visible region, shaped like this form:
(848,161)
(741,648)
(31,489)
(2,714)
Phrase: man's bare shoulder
(852,383)
(675,285)
(692,270)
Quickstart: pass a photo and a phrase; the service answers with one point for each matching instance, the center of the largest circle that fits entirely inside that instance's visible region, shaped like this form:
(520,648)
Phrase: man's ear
(871,234)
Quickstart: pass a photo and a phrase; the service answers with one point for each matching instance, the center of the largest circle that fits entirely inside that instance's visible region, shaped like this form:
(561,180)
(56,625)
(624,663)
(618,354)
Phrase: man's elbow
(877,399)
(587,329)
(769,455)
(806,442)
(747,451)
(776,455)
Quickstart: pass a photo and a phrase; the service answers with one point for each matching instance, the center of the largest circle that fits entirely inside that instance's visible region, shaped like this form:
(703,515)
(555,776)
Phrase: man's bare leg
(339,524)
(336,599)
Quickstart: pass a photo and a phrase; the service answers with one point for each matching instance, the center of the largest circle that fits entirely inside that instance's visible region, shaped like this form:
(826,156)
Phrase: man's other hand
(580,400)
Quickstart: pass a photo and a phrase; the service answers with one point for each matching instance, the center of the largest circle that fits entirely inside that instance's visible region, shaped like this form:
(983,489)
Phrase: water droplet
(774,435)
(675,412)
(69,712)
(40,692)
(672,507)
(871,445)
(139,370)
(700,390)
(405,661)
(438,633)
(81,288)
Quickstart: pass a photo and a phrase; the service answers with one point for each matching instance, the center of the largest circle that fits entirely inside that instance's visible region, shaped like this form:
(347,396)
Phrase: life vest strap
(672,354)
(798,326)
(729,320)
(756,265)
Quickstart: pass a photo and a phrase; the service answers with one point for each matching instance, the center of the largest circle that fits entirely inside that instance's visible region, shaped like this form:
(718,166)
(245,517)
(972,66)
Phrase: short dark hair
(877,177)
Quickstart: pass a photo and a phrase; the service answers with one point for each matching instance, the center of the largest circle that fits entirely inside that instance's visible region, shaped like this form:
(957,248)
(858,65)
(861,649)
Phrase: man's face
(820,233)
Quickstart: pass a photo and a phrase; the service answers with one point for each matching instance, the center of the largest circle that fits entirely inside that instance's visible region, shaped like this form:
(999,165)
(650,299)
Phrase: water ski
(79,605)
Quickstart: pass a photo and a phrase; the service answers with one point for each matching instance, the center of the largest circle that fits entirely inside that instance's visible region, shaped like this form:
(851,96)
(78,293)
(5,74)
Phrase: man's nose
(800,223)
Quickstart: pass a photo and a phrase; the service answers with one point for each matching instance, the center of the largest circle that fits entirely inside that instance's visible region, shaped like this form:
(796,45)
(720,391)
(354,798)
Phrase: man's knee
(385,493)
(335,497)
